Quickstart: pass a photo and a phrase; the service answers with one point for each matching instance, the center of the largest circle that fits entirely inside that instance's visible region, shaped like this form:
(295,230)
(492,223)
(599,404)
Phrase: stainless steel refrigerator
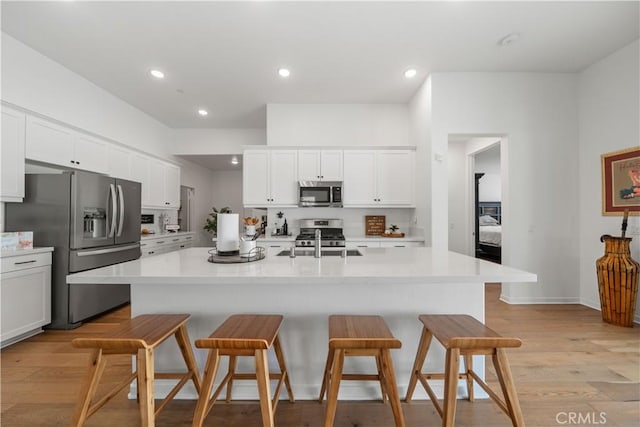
(91,221)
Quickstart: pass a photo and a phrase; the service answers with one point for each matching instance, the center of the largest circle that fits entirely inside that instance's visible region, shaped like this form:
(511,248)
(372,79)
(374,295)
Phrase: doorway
(477,189)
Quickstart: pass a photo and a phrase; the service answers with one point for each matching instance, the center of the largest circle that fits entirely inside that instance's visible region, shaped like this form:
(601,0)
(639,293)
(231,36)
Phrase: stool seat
(244,331)
(139,336)
(243,335)
(351,335)
(462,335)
(464,332)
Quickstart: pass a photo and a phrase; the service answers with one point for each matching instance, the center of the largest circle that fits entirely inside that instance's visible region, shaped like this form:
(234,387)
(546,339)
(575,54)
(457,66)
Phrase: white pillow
(487,220)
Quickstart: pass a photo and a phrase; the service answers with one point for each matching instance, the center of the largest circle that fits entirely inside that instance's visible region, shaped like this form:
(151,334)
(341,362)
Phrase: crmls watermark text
(581,418)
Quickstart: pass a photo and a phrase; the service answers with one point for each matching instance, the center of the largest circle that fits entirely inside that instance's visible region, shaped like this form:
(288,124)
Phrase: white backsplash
(171,215)
(353,218)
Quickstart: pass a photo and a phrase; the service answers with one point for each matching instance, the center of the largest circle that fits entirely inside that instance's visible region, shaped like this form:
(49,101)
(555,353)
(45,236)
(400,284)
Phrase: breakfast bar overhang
(397,283)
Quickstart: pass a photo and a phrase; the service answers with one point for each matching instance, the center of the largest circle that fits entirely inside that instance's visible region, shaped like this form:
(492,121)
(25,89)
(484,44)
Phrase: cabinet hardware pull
(24,262)
(160,242)
(175,240)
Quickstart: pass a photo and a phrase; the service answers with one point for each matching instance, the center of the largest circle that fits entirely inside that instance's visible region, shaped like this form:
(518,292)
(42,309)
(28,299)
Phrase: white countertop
(349,238)
(22,252)
(377,265)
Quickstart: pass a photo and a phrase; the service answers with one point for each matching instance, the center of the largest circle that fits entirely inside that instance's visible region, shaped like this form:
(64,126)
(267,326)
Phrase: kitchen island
(397,283)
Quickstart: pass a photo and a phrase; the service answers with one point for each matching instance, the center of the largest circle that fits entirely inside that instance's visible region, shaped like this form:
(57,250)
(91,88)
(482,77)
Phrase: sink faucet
(318,252)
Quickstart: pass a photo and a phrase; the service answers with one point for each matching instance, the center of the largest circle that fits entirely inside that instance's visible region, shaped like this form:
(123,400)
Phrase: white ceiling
(224,56)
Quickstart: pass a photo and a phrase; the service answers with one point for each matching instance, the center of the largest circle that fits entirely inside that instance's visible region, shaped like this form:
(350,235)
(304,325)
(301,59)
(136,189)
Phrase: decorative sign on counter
(374,225)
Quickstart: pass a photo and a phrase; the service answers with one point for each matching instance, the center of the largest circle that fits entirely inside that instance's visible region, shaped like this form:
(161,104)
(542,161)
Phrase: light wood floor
(570,365)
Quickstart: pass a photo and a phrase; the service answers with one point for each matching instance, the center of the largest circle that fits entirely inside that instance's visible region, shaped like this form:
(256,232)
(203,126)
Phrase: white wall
(34,82)
(337,124)
(420,136)
(538,114)
(215,141)
(201,179)
(489,187)
(608,121)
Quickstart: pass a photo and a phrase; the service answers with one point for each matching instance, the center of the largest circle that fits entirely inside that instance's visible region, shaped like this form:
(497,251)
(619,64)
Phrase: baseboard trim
(539,300)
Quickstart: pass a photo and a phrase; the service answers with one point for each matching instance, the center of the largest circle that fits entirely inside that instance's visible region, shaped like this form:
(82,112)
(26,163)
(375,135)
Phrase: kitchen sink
(311,252)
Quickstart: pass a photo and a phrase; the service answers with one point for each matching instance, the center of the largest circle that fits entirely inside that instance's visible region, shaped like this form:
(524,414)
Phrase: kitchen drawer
(23,262)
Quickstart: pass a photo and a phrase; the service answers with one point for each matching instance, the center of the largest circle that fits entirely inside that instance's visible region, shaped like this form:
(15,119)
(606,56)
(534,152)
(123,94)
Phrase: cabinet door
(48,142)
(119,162)
(255,182)
(359,178)
(90,153)
(156,183)
(395,177)
(141,172)
(171,186)
(283,172)
(331,165)
(26,301)
(309,165)
(12,155)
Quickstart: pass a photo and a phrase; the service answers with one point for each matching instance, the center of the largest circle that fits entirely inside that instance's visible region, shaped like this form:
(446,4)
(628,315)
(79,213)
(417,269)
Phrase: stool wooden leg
(452,366)
(468,366)
(283,367)
(392,387)
(210,370)
(508,387)
(89,387)
(421,355)
(334,386)
(262,374)
(381,377)
(326,378)
(182,337)
(144,365)
(233,363)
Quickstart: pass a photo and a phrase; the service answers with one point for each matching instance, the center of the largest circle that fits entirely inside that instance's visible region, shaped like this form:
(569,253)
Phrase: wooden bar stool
(360,336)
(139,336)
(243,335)
(466,336)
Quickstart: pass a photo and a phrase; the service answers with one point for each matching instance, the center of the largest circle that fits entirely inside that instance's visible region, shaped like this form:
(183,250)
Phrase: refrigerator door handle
(107,251)
(112,192)
(121,214)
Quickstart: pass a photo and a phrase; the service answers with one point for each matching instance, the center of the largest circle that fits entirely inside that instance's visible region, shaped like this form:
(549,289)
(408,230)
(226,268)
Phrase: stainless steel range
(330,233)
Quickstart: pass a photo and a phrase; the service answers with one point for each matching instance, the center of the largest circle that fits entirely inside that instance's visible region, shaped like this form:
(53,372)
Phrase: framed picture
(621,182)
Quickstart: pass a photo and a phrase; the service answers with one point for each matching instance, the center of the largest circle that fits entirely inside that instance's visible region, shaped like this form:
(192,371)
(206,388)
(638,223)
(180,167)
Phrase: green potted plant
(211,224)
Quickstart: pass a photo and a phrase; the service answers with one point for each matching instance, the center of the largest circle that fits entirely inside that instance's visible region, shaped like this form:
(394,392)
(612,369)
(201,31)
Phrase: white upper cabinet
(12,155)
(91,153)
(59,145)
(120,161)
(320,165)
(378,178)
(359,187)
(269,178)
(160,182)
(141,172)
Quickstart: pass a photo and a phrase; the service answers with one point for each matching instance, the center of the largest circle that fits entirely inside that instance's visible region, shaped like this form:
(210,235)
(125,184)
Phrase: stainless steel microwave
(320,194)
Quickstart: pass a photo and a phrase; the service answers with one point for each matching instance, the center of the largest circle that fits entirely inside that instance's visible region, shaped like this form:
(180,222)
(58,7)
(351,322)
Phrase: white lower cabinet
(165,243)
(25,296)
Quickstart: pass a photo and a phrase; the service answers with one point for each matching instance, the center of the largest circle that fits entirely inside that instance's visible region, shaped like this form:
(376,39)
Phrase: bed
(489,231)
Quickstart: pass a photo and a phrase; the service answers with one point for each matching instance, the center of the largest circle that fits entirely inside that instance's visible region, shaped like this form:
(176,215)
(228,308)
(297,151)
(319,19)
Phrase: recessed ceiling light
(284,72)
(410,73)
(509,39)
(203,112)
(234,160)
(157,74)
